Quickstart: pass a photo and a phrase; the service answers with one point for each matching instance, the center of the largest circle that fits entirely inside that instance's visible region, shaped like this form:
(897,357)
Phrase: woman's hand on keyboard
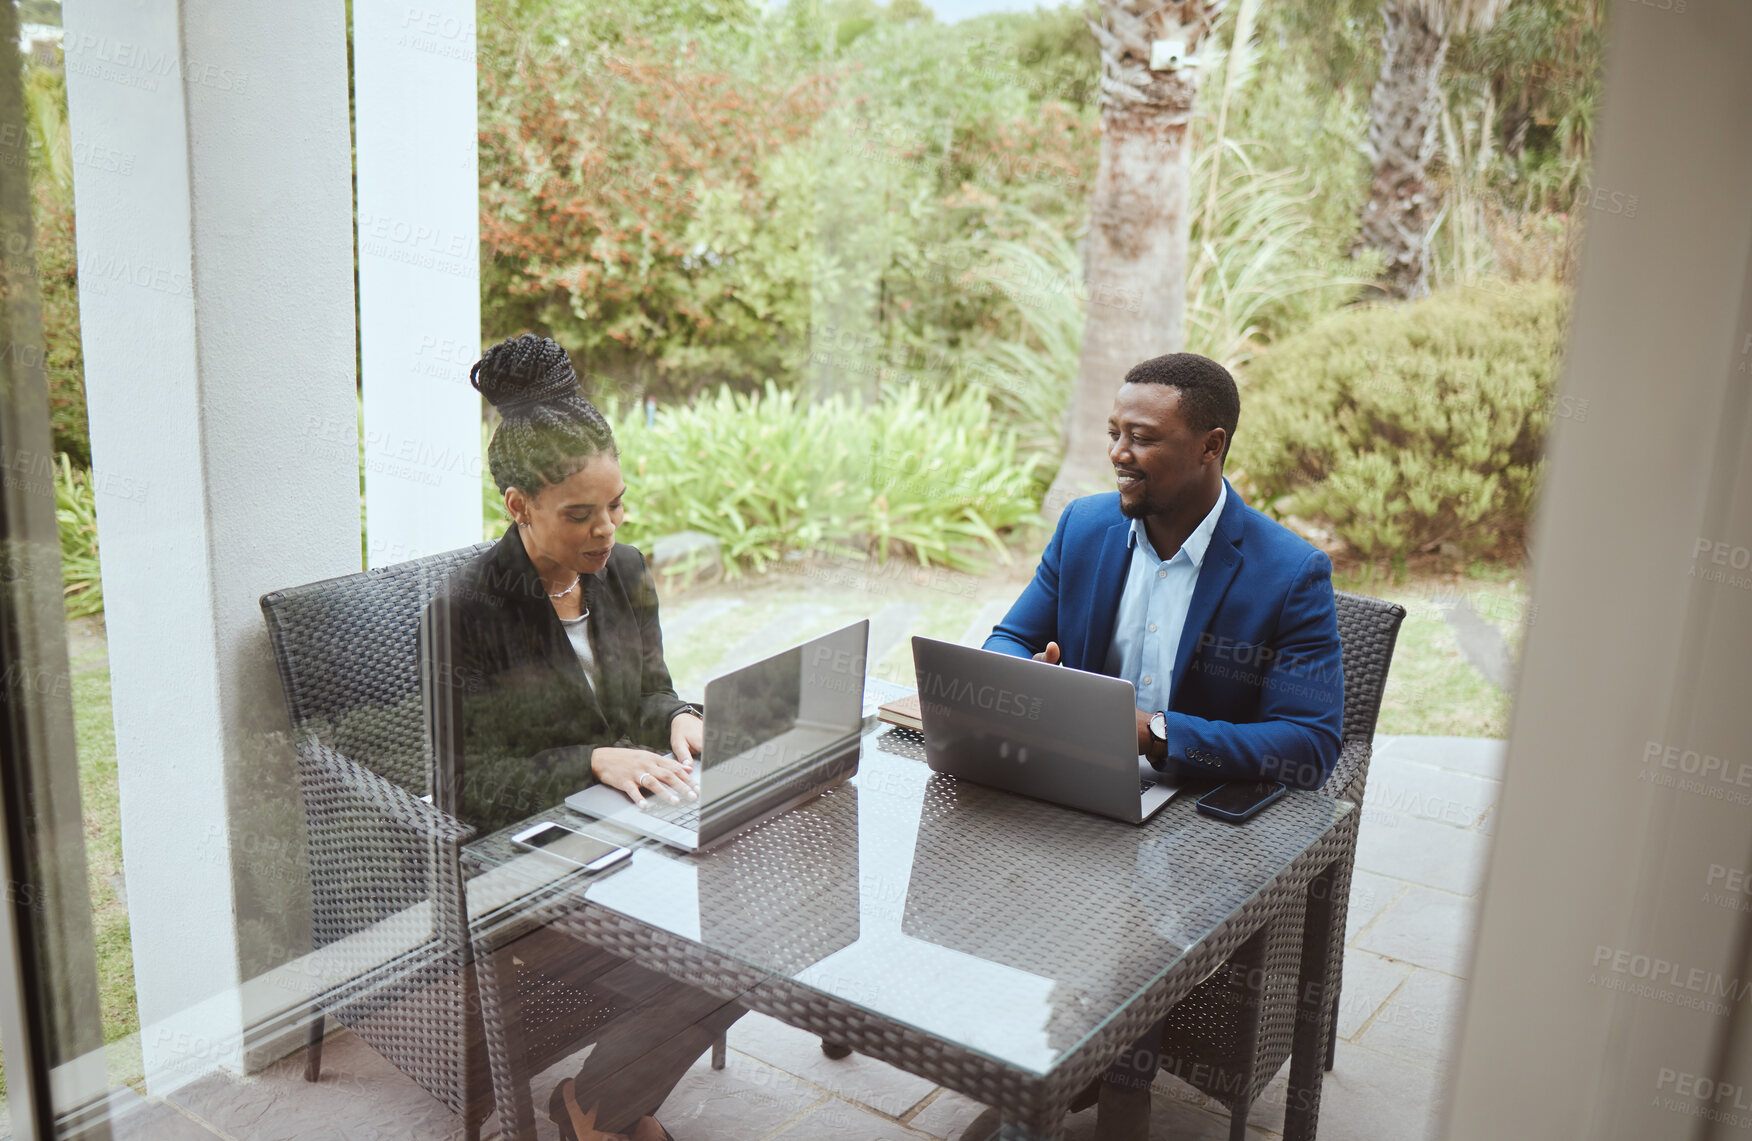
(687,736)
(639,772)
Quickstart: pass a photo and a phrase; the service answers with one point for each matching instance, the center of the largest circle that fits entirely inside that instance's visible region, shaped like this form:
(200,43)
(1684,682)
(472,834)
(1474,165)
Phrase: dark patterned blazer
(514,722)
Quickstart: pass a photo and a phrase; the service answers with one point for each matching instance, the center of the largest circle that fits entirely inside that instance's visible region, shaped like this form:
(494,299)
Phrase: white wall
(419,275)
(216,303)
(1610,927)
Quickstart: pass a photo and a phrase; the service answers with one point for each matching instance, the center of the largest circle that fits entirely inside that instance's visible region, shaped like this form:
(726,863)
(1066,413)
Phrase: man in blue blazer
(1222,620)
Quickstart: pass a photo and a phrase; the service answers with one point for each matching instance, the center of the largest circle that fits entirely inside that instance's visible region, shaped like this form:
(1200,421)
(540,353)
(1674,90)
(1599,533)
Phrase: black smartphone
(574,847)
(1240,800)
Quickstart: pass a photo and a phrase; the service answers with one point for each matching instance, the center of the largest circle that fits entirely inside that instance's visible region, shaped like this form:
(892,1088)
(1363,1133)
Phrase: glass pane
(781,337)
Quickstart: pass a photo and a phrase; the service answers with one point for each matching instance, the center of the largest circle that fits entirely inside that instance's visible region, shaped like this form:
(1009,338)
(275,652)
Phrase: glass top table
(949,928)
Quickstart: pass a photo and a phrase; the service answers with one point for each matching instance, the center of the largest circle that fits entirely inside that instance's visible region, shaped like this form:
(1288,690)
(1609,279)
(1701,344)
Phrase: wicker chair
(388,900)
(1230,1036)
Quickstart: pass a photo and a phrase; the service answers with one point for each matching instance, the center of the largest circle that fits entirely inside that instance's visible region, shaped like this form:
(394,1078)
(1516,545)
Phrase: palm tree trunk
(1135,267)
(1402,139)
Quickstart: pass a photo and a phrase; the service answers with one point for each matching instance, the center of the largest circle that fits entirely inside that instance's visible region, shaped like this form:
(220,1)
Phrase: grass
(101,805)
(1432,689)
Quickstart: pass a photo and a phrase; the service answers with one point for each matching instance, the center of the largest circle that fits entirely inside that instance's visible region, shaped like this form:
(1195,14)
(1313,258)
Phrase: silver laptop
(1044,731)
(777,733)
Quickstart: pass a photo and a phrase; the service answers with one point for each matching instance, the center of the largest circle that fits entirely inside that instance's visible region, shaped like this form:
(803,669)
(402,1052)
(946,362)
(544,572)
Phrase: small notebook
(904,712)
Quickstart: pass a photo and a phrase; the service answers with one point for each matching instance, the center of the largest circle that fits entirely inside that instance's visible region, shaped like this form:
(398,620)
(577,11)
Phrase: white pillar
(216,262)
(419,275)
(1610,998)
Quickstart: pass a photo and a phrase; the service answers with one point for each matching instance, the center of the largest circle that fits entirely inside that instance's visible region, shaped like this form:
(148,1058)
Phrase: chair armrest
(377,851)
(1350,771)
(397,807)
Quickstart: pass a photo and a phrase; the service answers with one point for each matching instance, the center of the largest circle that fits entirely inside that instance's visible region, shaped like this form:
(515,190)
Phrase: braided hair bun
(548,430)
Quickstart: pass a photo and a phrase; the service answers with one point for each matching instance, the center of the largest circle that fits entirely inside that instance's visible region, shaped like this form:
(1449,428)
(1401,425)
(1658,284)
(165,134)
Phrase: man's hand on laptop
(640,772)
(1050,655)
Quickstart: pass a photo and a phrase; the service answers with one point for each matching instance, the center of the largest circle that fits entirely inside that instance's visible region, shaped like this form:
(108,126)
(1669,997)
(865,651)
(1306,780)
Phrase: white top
(1152,610)
(578,633)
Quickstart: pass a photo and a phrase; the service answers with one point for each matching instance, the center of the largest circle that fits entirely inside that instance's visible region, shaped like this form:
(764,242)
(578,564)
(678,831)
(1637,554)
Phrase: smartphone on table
(572,846)
(1240,800)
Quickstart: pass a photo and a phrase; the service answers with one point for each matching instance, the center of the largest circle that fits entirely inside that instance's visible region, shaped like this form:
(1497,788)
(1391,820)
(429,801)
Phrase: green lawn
(103,852)
(1431,687)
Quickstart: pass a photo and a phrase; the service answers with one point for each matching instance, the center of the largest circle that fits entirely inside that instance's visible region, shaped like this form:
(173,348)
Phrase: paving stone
(1422,851)
(1266,1114)
(1480,756)
(1370,895)
(1178,1112)
(871,1083)
(1372,1097)
(1419,1022)
(1427,929)
(361,1095)
(134,1118)
(1368,981)
(946,1115)
(747,1099)
(1413,788)
(837,1120)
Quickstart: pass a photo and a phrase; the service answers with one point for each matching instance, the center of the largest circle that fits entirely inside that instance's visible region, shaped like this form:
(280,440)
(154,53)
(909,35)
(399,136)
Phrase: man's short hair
(1208,397)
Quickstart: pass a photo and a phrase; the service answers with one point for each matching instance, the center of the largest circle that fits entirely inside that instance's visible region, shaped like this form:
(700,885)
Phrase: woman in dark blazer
(546,667)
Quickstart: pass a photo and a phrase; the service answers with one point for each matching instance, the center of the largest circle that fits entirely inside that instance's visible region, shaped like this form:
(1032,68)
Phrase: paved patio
(1424,842)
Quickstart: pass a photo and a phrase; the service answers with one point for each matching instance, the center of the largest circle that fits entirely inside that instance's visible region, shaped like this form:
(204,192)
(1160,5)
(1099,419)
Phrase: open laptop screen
(774,714)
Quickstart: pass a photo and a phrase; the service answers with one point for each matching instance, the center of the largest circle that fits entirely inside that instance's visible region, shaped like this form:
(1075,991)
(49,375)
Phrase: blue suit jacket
(1258,688)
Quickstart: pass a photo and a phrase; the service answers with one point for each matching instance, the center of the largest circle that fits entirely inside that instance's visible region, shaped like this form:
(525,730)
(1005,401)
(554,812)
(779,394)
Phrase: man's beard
(1140,507)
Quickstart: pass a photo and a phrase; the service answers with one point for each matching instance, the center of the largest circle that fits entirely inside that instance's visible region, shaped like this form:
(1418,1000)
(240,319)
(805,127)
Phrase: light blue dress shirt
(1152,609)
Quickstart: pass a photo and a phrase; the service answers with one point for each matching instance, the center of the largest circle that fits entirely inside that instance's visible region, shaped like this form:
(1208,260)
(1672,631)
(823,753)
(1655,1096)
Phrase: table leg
(501,1011)
(1313,1010)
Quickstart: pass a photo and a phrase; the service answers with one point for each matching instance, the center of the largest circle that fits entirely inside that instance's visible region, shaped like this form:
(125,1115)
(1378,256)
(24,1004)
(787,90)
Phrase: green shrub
(1409,426)
(924,475)
(76,520)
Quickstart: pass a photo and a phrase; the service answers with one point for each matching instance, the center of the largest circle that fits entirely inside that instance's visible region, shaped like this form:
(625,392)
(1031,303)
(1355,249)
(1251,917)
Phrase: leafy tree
(1139,219)
(1402,132)
(596,165)
(51,162)
(1539,64)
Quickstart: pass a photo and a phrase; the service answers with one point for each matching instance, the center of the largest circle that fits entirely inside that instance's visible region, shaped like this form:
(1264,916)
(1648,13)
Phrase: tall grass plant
(921,474)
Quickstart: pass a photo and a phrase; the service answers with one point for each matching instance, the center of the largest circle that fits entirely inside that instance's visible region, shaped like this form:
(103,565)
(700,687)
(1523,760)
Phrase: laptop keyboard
(683,815)
(1146,785)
